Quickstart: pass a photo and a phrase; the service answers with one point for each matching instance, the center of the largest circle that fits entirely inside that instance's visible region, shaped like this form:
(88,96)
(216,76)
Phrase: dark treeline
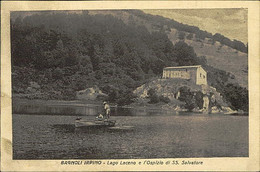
(70,52)
(65,53)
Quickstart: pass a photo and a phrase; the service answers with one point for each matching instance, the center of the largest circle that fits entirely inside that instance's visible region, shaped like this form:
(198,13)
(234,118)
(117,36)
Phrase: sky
(231,23)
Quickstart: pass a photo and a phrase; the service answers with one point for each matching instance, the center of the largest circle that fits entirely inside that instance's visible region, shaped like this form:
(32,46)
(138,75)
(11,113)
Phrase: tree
(181,35)
(190,36)
(57,73)
(185,54)
(113,95)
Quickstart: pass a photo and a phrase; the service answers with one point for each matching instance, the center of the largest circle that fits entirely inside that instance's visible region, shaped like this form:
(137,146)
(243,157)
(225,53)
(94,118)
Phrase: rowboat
(94,123)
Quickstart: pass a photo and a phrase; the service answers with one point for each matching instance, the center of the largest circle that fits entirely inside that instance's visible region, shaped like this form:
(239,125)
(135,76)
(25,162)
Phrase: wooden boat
(94,123)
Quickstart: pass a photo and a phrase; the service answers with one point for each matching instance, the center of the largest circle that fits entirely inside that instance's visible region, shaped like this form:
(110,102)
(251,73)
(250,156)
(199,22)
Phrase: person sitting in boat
(107,109)
(78,119)
(100,117)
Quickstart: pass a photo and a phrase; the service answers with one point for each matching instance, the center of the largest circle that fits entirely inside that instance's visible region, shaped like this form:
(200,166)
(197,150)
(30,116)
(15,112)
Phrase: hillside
(219,51)
(56,55)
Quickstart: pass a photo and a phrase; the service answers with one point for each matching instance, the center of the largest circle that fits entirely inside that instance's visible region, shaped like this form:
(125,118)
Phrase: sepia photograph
(116,84)
(123,87)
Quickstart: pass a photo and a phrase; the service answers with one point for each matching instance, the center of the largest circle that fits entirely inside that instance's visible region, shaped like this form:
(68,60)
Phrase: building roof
(182,67)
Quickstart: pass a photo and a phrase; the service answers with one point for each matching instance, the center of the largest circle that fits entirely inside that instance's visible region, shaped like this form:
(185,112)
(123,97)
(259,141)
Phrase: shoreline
(77,107)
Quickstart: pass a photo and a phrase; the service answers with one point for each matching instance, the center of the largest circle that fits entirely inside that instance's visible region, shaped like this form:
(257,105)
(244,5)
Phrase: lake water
(153,135)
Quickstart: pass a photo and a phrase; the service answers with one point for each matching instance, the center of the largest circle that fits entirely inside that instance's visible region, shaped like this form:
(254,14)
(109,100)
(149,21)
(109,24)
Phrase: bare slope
(219,56)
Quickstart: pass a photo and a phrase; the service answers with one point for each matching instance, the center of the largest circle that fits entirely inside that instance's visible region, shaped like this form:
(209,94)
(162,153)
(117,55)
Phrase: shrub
(113,95)
(190,103)
(187,96)
(237,96)
(153,96)
(125,98)
(154,99)
(199,99)
(164,99)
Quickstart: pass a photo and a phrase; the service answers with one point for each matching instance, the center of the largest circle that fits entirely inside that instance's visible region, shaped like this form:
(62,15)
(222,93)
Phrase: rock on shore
(192,99)
(92,93)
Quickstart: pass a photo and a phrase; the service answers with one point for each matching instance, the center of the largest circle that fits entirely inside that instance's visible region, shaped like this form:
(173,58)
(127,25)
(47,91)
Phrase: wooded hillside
(62,53)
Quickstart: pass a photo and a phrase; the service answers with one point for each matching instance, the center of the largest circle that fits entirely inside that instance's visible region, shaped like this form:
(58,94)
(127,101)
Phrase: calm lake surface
(153,135)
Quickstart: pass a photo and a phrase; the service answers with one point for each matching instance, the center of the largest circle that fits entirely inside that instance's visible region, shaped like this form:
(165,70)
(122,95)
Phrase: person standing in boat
(107,109)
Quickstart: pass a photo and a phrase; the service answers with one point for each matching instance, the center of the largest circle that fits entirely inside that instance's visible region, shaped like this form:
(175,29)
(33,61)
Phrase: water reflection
(83,110)
(70,128)
(63,128)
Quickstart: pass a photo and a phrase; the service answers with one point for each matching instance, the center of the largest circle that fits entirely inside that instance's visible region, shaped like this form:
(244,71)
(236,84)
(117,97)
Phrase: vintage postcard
(130,86)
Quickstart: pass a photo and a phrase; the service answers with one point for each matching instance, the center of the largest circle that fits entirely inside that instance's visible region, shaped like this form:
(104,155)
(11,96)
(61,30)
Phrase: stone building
(194,73)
